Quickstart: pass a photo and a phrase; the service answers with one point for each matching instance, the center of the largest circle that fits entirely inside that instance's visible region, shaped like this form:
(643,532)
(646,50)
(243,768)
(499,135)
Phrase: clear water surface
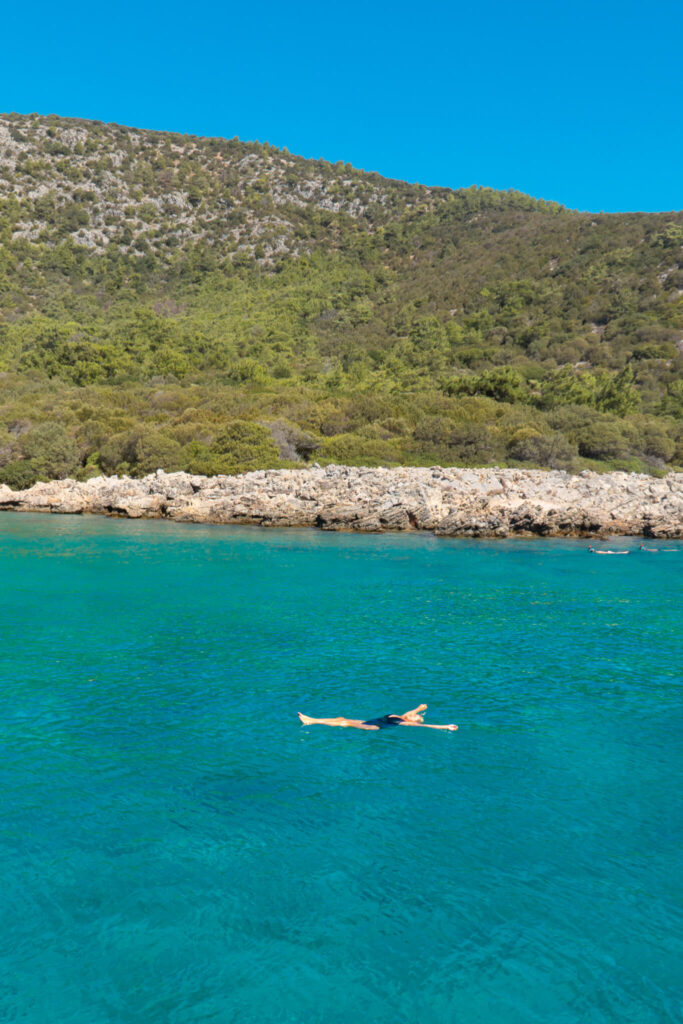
(175,848)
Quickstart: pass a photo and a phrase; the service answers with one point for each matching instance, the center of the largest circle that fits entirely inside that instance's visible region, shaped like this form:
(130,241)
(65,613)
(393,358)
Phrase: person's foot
(416,714)
(304,719)
(452,728)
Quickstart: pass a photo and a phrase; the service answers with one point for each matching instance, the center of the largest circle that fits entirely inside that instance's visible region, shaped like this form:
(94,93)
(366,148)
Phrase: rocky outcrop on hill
(449,502)
(105,184)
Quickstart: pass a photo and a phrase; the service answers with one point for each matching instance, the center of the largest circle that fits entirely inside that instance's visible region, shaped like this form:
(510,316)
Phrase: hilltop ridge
(136,188)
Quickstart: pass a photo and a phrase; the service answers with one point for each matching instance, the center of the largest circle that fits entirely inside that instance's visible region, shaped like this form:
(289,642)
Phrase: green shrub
(548,450)
(602,441)
(352,450)
(141,451)
(568,386)
(655,443)
(247,371)
(503,385)
(199,458)
(19,474)
(246,445)
(111,453)
(51,450)
(156,451)
(436,430)
(473,442)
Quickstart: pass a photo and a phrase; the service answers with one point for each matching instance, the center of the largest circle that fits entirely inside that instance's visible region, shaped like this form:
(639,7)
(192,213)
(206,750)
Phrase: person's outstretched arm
(425,725)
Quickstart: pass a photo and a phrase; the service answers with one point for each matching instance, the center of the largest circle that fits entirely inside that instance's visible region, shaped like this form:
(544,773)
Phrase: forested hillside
(212,305)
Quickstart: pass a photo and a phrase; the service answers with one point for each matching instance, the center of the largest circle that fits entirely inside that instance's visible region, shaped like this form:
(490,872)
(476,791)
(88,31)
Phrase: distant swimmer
(414,717)
(603,551)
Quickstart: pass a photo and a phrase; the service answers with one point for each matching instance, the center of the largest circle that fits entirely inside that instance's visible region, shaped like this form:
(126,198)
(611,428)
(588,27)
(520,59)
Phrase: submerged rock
(449,502)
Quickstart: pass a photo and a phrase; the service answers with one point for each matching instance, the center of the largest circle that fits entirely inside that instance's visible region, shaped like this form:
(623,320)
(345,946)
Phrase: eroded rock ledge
(450,502)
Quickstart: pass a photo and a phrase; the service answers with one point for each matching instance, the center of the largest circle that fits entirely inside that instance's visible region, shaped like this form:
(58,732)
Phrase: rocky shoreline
(448,502)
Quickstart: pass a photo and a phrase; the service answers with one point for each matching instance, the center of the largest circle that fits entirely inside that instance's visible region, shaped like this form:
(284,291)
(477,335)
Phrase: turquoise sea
(176,848)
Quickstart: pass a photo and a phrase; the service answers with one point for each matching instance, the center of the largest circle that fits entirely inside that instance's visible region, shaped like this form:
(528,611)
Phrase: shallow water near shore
(175,847)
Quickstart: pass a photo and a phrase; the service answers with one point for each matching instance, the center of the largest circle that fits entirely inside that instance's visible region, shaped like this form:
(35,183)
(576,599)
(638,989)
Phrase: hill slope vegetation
(212,305)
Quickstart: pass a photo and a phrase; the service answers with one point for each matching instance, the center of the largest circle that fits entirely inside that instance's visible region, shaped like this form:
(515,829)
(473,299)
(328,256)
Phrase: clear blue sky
(579,101)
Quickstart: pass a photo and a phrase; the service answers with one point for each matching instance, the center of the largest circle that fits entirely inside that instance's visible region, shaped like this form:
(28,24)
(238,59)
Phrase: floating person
(603,551)
(414,717)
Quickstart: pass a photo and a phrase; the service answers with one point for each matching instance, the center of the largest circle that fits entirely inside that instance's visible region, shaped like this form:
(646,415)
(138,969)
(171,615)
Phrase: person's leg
(345,723)
(307,720)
